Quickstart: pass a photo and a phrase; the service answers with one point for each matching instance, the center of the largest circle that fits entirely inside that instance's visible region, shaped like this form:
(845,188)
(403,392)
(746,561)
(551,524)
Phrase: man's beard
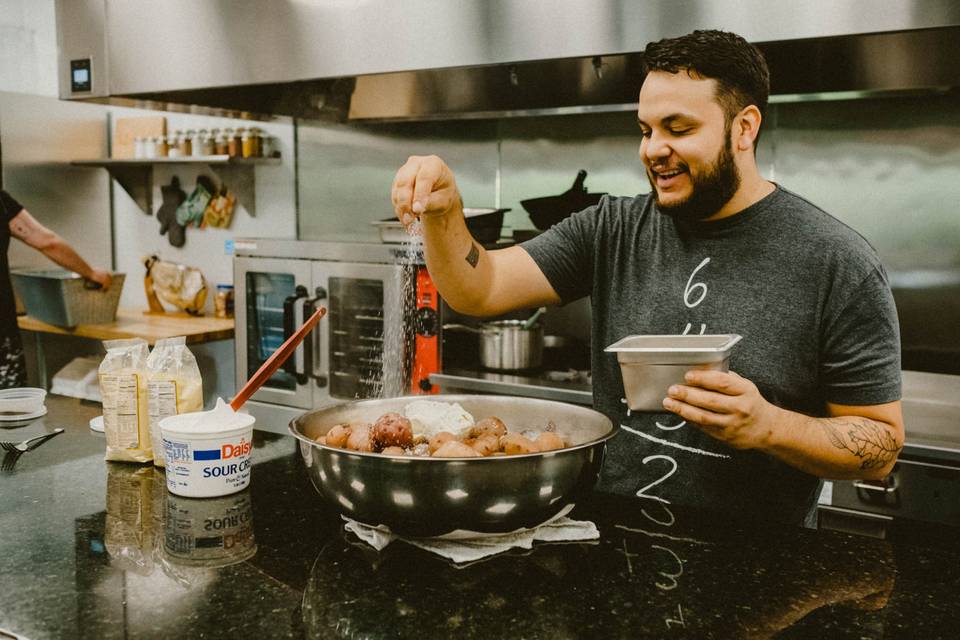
(709,190)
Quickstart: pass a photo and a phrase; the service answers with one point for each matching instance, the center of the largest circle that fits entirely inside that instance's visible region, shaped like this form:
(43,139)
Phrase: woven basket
(64,299)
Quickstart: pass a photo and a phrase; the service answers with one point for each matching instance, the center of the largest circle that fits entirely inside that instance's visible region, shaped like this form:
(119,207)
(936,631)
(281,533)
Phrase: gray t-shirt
(807,293)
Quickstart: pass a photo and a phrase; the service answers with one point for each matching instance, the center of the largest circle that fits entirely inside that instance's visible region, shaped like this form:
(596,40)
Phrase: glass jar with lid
(223,302)
(267,145)
(256,137)
(173,150)
(160,145)
(196,147)
(233,143)
(247,144)
(138,147)
(220,145)
(185,143)
(149,147)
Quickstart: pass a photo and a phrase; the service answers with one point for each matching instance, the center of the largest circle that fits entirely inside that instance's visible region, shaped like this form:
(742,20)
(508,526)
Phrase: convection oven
(379,338)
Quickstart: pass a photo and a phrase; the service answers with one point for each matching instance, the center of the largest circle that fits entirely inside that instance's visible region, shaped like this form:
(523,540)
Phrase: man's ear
(746,126)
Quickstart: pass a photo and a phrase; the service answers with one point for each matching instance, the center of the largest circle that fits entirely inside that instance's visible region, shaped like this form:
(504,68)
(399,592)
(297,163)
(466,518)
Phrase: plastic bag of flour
(173,386)
(123,387)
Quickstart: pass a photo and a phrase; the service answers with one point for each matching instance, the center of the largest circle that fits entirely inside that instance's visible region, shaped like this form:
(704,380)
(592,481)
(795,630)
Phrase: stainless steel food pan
(650,364)
(432,496)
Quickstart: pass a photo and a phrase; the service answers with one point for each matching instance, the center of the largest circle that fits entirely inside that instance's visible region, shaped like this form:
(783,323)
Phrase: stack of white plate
(22,403)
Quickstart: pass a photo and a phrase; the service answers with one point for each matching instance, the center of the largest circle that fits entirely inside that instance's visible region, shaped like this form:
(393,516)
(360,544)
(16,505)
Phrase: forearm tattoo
(874,445)
(473,257)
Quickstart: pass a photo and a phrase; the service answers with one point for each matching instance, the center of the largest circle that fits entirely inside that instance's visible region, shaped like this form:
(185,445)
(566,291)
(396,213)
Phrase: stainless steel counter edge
(516,387)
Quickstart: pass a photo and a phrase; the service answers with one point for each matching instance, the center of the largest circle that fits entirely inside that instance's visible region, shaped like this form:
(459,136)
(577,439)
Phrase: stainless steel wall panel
(344,173)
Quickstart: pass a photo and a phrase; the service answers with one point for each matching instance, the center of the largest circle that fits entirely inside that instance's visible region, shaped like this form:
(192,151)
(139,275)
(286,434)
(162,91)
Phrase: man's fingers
(428,175)
(710,400)
(402,191)
(694,414)
(726,382)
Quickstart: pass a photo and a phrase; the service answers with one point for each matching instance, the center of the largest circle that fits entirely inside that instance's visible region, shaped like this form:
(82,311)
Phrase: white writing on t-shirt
(694,293)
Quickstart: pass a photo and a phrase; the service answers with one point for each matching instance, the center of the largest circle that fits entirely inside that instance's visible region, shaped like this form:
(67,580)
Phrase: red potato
(486,444)
(515,444)
(438,440)
(391,430)
(549,441)
(455,449)
(393,451)
(338,435)
(491,425)
(360,439)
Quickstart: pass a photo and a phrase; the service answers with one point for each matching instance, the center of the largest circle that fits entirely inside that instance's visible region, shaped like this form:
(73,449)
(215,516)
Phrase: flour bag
(174,386)
(123,387)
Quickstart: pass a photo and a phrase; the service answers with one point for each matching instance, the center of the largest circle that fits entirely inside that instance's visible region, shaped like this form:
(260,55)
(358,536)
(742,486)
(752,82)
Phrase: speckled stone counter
(90,549)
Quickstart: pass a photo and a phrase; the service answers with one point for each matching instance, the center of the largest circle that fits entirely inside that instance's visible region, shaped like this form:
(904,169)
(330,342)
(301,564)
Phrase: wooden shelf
(135,175)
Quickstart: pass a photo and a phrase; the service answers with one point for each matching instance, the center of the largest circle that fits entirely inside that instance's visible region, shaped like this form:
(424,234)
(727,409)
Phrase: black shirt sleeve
(9,207)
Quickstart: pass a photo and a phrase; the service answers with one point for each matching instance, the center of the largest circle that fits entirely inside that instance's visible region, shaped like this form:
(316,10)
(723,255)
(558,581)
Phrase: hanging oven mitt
(173,197)
(219,212)
(191,210)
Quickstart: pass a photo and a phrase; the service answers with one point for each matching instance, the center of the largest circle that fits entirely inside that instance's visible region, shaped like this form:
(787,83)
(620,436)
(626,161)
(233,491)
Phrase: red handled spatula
(278,358)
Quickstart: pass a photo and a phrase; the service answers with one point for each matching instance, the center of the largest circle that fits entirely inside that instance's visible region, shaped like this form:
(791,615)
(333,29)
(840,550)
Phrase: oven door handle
(315,353)
(887,486)
(293,317)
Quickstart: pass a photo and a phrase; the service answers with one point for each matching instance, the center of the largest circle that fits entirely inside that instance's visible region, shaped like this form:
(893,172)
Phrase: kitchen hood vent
(378,61)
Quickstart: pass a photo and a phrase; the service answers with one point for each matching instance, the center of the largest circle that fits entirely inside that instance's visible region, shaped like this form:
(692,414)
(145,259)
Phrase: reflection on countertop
(95,549)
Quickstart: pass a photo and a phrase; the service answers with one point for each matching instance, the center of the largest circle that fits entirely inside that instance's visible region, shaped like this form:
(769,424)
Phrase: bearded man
(814,387)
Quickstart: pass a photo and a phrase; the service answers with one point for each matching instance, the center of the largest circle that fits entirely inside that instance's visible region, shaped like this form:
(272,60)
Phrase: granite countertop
(91,549)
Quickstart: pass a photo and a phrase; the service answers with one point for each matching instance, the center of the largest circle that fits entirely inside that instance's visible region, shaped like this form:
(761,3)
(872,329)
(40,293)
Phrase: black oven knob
(426,322)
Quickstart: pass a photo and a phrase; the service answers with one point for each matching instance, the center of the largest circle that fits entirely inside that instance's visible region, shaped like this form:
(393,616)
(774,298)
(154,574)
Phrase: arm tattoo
(865,439)
(473,257)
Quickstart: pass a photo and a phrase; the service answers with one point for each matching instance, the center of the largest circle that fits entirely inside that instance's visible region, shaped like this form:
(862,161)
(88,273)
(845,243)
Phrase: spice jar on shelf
(149,147)
(247,144)
(206,144)
(196,146)
(257,135)
(223,302)
(267,146)
(220,145)
(138,147)
(160,144)
(233,144)
(186,143)
(173,151)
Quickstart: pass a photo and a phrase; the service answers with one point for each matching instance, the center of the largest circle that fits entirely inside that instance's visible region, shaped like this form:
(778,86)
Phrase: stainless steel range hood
(426,59)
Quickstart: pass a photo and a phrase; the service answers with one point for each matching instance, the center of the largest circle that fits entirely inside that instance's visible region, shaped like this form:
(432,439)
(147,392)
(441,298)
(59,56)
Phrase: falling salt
(399,339)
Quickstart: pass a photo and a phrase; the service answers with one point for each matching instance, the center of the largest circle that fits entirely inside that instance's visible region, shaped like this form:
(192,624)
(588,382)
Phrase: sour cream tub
(204,463)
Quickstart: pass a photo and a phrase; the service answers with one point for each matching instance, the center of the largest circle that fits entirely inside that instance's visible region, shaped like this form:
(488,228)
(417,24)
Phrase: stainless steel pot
(507,345)
(422,496)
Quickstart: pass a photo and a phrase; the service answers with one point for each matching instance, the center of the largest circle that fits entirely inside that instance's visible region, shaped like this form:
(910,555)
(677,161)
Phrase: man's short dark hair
(737,66)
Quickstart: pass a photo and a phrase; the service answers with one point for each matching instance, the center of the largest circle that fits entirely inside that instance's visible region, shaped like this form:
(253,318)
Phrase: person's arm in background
(470,279)
(25,227)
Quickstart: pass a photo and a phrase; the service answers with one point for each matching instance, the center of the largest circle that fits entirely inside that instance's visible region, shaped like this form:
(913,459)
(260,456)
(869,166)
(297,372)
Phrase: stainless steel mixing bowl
(422,496)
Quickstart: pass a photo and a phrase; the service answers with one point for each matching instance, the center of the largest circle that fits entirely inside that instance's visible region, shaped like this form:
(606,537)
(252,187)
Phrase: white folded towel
(466,546)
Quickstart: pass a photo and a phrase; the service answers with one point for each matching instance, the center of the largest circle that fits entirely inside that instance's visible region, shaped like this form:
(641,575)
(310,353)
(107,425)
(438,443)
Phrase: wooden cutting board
(128,129)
